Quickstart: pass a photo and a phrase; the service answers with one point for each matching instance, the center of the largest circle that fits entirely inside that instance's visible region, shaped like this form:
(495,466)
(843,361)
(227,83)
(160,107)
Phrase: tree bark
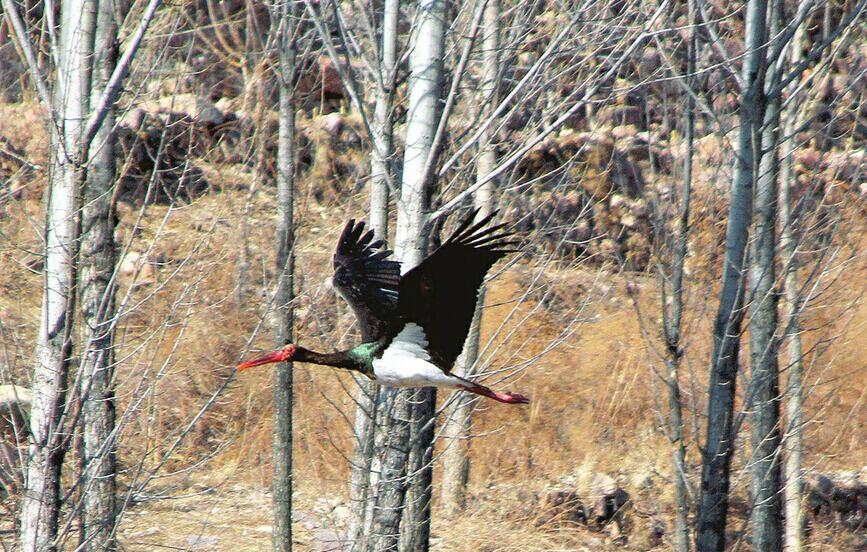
(672,313)
(458,423)
(792,440)
(392,458)
(766,489)
(40,506)
(380,173)
(282,445)
(716,465)
(383,127)
(415,524)
(425,96)
(98,261)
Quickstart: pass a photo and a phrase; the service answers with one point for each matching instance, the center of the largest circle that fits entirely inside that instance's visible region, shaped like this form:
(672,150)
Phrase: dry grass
(594,395)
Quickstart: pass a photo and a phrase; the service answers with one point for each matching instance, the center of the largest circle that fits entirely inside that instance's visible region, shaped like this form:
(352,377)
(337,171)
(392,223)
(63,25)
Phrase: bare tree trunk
(425,96)
(792,440)
(716,466)
(764,373)
(282,483)
(96,386)
(766,490)
(380,171)
(40,507)
(391,451)
(672,303)
(392,458)
(458,424)
(415,525)
(383,128)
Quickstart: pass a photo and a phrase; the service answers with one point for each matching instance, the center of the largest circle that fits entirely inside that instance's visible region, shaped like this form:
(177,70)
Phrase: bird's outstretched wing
(440,293)
(365,277)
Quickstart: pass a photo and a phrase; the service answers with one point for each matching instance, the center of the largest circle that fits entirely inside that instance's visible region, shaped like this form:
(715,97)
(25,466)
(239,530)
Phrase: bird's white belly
(412,372)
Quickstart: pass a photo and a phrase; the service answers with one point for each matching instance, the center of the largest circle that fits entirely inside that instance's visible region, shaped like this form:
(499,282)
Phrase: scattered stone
(617,115)
(838,498)
(156,149)
(608,500)
(562,506)
(136,265)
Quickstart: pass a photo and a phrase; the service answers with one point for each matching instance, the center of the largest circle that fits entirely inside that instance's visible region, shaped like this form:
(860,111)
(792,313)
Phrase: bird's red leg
(510,398)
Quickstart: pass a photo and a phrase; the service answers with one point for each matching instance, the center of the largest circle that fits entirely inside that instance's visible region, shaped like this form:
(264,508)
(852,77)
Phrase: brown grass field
(595,398)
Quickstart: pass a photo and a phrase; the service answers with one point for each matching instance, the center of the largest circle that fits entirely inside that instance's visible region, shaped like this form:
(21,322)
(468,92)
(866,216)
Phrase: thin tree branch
(112,88)
(24,43)
(512,159)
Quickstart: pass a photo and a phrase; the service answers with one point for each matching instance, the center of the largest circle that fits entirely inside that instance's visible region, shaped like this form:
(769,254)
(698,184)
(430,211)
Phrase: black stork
(413,326)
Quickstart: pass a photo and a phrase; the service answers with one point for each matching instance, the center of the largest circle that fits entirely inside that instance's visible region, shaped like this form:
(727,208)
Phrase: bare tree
(458,423)
(78,114)
(670,271)
(392,457)
(286,23)
(41,504)
(715,476)
(381,174)
(98,306)
(792,439)
(766,510)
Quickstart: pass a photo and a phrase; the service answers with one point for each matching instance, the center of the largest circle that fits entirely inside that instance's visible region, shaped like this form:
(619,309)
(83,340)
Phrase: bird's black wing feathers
(366,279)
(440,293)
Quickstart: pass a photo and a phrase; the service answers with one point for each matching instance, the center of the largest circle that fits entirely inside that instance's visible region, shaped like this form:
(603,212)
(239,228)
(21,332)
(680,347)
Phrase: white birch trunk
(392,454)
(425,99)
(40,504)
(792,439)
(383,126)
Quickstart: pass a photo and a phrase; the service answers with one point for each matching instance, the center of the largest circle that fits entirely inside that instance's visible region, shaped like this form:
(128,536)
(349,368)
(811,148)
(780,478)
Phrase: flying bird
(413,326)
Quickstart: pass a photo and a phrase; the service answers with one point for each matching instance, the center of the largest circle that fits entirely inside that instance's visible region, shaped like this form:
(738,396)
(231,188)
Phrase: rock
(226,105)
(624,131)
(130,263)
(332,123)
(133,118)
(562,506)
(617,115)
(710,149)
(135,264)
(34,263)
(650,61)
(158,147)
(608,500)
(331,83)
(15,401)
(199,109)
(839,498)
(656,535)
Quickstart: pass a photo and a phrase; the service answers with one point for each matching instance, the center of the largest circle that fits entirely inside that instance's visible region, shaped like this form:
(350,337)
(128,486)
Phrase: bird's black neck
(337,359)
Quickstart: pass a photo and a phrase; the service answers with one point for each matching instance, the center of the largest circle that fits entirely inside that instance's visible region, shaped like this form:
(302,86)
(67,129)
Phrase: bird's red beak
(282,355)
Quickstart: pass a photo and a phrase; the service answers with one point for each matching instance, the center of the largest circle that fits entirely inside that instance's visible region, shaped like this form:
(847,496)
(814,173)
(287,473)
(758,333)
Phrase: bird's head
(285,354)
